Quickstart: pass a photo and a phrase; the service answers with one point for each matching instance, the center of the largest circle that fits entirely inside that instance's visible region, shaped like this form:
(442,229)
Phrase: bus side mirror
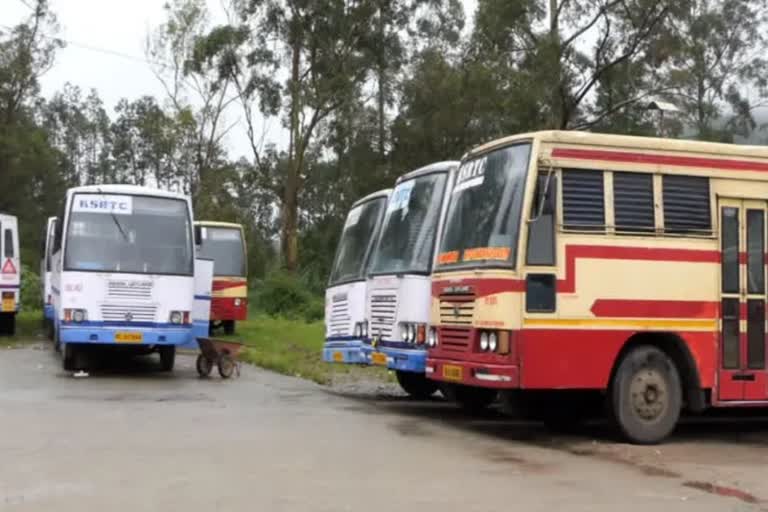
(198,235)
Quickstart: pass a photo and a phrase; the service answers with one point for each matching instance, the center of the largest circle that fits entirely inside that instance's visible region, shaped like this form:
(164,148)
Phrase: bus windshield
(358,236)
(225,247)
(408,232)
(129,234)
(483,220)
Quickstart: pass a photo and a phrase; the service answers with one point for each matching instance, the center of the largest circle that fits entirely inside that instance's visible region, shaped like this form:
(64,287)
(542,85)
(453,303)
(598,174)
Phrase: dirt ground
(130,438)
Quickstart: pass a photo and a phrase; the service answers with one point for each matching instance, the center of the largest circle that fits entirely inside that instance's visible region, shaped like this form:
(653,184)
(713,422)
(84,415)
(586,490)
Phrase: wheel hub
(648,391)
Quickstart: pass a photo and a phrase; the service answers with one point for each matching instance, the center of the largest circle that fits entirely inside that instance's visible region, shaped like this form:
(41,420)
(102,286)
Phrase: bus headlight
(79,315)
(238,302)
(176,317)
(493,341)
(404,332)
(365,328)
(411,333)
(358,329)
(484,341)
(432,339)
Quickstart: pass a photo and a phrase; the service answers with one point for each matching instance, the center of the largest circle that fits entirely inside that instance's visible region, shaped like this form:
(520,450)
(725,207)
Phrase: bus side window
(8,242)
(541,229)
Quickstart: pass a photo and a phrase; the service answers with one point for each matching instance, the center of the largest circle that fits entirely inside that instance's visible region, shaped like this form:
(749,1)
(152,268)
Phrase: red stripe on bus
(645,158)
(632,308)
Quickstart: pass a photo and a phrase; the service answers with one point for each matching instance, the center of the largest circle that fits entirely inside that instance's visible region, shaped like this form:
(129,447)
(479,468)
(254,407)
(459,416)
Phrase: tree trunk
(382,87)
(289,242)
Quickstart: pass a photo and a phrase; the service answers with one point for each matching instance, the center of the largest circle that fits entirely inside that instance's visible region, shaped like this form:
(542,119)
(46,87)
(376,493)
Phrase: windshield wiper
(117,222)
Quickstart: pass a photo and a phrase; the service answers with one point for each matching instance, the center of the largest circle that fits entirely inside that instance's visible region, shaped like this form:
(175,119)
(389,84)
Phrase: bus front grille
(128,312)
(457,309)
(383,312)
(454,339)
(340,320)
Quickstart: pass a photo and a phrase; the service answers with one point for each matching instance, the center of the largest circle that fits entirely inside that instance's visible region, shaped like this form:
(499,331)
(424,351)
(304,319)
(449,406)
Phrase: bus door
(742,300)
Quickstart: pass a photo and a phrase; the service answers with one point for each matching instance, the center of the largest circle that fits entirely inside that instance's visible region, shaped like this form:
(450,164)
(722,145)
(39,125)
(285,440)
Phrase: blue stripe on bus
(202,297)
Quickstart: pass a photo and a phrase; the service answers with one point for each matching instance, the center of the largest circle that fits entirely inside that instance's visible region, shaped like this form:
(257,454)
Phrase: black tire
(167,357)
(470,398)
(10,326)
(68,357)
(226,366)
(229,327)
(416,385)
(646,395)
(4,324)
(204,366)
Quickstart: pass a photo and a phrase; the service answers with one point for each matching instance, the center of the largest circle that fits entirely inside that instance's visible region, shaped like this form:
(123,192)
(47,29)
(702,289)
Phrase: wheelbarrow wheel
(204,366)
(226,366)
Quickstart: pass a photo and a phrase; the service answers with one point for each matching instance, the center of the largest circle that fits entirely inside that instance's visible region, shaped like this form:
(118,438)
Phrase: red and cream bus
(224,243)
(585,266)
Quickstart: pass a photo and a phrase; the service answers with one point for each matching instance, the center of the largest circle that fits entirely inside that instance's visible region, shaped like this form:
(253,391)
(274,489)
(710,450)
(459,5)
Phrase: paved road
(136,440)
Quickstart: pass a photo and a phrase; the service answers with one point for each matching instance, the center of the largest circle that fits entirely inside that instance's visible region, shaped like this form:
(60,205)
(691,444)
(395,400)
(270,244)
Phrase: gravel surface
(131,438)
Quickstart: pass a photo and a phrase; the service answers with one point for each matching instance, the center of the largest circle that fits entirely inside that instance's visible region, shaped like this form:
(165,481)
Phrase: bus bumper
(400,359)
(106,335)
(344,350)
(473,374)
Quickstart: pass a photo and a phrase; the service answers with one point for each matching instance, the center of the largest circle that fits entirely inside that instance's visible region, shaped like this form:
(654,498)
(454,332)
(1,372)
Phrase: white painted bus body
(45,271)
(140,296)
(400,300)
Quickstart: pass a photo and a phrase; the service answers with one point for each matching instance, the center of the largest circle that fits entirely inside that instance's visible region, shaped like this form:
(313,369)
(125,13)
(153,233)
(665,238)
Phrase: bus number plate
(451,372)
(338,357)
(379,358)
(9,305)
(129,337)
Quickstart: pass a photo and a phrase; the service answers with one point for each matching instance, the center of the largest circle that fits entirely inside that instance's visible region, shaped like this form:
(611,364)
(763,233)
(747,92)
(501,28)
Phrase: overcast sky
(105,49)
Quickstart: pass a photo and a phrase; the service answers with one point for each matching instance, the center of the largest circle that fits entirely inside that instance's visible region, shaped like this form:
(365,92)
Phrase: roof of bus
(127,189)
(384,193)
(446,165)
(627,141)
(217,224)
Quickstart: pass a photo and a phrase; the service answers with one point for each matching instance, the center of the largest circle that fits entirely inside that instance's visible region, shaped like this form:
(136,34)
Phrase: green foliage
(285,295)
(30,290)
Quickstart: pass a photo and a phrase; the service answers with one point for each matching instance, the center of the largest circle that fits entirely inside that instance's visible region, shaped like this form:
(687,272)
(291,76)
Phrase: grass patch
(291,347)
(29,329)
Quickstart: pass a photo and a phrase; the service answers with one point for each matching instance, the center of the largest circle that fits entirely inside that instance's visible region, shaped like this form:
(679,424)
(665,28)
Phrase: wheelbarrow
(221,353)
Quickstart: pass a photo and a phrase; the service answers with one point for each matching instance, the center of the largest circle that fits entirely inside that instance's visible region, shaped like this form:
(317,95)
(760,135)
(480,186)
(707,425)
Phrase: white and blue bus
(45,274)
(123,272)
(10,274)
(345,295)
(399,287)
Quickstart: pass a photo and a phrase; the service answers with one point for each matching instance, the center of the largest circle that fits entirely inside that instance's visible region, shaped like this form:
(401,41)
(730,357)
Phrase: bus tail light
(186,317)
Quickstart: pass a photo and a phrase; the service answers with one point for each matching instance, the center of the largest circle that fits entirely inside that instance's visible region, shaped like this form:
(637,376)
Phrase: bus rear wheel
(416,384)
(68,356)
(167,357)
(646,395)
(470,398)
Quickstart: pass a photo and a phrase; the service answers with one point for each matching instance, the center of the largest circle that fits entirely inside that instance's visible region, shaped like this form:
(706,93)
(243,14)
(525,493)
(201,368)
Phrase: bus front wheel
(167,357)
(646,395)
(68,355)
(416,384)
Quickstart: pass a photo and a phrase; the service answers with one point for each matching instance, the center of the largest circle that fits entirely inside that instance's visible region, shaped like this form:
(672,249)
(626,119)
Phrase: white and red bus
(582,268)
(10,274)
(224,243)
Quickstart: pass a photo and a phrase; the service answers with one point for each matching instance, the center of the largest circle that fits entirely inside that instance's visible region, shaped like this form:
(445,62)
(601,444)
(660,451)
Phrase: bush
(30,289)
(283,294)
(315,310)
